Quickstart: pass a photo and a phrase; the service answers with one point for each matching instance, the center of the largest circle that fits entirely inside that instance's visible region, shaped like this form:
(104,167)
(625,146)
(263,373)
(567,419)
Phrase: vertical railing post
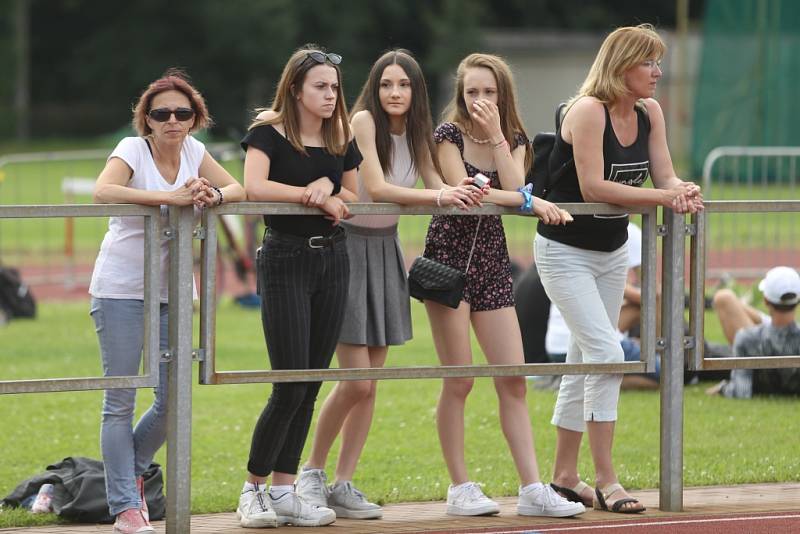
(179,397)
(208,296)
(672,362)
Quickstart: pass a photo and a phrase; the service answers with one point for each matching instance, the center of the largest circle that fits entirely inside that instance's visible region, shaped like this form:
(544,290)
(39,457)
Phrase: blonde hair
(510,123)
(335,130)
(622,50)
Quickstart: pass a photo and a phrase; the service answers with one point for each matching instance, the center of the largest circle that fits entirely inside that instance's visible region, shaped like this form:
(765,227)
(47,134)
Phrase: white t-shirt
(634,246)
(119,268)
(556,340)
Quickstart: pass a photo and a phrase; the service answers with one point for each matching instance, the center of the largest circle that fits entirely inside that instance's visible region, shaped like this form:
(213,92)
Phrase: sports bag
(16,299)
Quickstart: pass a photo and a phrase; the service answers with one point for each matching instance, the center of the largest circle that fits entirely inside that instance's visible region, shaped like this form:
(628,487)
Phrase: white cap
(781,286)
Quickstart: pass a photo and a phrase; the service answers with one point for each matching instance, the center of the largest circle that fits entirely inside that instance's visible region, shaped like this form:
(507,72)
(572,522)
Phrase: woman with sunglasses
(614,131)
(392,124)
(299,151)
(164,166)
(483,133)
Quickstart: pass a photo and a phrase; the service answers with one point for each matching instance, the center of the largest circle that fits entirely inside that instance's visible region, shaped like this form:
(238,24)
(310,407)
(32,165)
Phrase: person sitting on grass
(754,333)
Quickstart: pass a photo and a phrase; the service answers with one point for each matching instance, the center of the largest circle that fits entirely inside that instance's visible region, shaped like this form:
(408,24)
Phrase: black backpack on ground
(542,175)
(16,299)
(79,492)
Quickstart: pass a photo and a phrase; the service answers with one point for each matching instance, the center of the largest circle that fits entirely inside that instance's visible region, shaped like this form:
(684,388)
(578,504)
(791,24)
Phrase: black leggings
(303,296)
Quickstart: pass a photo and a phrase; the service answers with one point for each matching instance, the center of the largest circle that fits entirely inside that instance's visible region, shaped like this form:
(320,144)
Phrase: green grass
(724,439)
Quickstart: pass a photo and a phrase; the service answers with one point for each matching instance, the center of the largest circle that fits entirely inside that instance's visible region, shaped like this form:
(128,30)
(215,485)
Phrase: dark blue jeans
(303,295)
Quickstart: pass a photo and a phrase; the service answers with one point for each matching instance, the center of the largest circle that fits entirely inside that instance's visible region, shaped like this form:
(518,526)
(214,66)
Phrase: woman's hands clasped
(685,197)
(197,191)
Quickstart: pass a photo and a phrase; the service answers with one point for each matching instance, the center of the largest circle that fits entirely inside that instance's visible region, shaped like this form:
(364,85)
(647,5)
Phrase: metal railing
(152,283)
(745,247)
(699,250)
(209,374)
(180,354)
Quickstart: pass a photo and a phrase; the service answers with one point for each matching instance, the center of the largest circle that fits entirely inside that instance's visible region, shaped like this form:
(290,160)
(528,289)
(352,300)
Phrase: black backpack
(16,299)
(542,175)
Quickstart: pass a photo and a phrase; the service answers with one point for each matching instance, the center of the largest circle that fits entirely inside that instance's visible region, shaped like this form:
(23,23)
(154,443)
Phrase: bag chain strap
(474,240)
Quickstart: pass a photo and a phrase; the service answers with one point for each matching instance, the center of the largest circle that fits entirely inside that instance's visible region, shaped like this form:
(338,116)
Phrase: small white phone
(480,180)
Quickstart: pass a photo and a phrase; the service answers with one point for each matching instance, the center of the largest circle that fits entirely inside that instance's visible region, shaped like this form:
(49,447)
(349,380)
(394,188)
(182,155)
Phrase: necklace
(476,141)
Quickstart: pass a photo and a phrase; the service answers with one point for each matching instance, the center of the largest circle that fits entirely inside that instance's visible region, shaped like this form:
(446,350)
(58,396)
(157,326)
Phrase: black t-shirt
(288,166)
(629,165)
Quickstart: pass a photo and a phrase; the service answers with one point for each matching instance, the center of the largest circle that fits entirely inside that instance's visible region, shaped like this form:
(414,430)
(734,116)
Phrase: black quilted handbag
(430,280)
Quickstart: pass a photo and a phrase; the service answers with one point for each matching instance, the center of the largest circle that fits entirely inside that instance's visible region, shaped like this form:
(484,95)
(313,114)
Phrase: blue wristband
(527,195)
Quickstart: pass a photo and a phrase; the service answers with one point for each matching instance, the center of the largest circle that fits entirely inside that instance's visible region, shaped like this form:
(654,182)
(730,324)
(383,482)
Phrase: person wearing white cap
(777,334)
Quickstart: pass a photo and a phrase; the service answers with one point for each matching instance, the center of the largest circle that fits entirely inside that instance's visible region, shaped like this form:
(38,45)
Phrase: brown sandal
(617,506)
(574,494)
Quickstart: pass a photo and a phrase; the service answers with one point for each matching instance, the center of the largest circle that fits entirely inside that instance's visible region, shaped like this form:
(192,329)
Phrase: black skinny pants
(303,297)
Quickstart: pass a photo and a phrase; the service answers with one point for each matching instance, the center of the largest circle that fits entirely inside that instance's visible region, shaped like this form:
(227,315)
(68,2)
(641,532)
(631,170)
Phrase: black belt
(316,241)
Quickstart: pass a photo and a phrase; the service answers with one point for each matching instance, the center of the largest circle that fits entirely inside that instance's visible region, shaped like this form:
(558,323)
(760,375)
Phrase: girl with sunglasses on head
(298,151)
(392,124)
(614,131)
(483,133)
(164,166)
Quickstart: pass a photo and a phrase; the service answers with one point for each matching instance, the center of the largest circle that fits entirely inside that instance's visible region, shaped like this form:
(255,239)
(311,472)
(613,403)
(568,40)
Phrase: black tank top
(629,165)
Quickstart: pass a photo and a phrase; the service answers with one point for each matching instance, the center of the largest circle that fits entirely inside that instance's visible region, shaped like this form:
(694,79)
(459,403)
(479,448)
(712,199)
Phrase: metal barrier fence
(180,355)
(699,237)
(59,253)
(152,283)
(209,375)
(746,246)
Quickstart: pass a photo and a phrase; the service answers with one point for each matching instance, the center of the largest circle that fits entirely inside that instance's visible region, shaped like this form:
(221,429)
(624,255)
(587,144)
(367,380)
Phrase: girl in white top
(393,128)
(165,166)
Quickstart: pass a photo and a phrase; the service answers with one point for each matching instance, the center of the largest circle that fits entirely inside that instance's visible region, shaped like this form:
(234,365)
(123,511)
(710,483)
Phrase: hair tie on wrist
(439,197)
(527,198)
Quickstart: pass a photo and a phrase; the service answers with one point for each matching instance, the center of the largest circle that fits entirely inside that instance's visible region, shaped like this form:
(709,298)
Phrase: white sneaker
(468,499)
(312,486)
(544,501)
(348,502)
(291,509)
(254,510)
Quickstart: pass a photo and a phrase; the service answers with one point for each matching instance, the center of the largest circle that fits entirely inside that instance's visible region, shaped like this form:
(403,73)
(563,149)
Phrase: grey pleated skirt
(378,311)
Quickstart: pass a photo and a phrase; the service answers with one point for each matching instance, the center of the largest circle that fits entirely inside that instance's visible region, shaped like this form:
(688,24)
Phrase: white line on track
(651,524)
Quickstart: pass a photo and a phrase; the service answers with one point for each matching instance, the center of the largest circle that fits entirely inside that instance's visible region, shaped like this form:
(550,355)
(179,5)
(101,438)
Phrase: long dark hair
(335,130)
(419,124)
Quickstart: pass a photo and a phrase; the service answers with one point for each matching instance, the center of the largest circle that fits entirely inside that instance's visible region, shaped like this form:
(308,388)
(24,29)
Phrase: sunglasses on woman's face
(163,114)
(320,57)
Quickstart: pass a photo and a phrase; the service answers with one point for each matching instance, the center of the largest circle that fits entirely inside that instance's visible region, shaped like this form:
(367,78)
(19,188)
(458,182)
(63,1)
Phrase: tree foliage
(90,59)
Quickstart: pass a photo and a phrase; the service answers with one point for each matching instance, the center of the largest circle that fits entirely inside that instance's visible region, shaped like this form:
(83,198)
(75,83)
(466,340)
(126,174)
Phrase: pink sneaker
(131,521)
(140,487)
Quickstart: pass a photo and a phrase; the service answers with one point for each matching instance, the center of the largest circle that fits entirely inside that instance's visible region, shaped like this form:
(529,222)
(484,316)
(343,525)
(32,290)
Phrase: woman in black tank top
(615,131)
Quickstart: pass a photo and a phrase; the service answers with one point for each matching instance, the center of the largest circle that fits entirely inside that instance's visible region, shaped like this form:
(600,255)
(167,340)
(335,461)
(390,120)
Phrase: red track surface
(759,523)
